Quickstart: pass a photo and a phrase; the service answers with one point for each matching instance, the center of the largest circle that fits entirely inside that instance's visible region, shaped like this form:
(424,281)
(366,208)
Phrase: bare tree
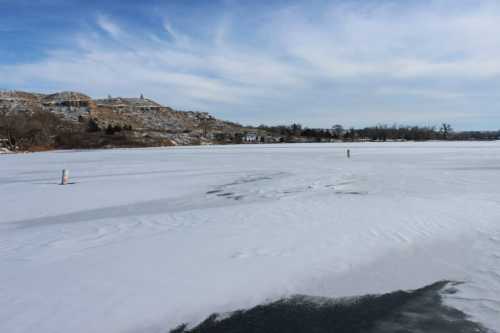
(337,130)
(24,130)
(206,126)
(11,127)
(296,129)
(445,130)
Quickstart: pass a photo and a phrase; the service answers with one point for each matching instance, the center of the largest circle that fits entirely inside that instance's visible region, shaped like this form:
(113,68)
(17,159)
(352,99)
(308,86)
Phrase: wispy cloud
(429,40)
(109,26)
(348,62)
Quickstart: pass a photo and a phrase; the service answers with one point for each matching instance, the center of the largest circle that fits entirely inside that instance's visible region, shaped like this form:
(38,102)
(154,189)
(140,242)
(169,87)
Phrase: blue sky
(317,62)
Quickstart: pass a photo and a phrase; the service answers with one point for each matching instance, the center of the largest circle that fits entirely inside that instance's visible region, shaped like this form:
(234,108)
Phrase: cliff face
(144,116)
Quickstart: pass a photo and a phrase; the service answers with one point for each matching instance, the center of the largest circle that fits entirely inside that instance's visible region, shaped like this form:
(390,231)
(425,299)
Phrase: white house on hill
(250,137)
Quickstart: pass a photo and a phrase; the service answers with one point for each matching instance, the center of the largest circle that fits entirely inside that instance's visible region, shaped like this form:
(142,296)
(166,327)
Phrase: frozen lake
(147,239)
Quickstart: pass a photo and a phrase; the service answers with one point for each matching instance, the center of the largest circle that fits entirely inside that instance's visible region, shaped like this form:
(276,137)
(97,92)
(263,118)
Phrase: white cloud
(109,26)
(418,92)
(394,41)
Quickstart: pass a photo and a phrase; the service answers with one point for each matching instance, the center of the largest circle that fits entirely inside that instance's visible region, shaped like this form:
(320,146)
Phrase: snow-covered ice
(146,239)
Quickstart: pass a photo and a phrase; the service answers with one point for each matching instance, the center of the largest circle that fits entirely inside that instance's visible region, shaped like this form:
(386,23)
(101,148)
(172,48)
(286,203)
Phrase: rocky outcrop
(70,105)
(13,101)
(144,116)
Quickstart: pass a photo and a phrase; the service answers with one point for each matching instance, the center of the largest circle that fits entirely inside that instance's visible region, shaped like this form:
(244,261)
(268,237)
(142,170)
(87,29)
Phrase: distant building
(251,137)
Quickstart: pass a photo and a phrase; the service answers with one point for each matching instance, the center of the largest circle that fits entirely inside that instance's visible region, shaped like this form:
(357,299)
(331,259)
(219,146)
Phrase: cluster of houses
(245,137)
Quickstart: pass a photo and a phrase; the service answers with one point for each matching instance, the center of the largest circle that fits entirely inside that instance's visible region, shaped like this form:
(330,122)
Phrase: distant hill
(141,116)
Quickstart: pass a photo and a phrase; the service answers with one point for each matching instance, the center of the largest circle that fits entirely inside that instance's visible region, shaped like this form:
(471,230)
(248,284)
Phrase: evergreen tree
(92,126)
(110,130)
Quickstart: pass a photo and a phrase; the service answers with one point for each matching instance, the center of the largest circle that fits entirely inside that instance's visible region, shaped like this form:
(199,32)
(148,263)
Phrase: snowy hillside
(146,239)
(143,116)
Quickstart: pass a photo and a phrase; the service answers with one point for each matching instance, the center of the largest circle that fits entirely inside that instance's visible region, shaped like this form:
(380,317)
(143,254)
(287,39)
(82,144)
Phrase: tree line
(445,131)
(40,130)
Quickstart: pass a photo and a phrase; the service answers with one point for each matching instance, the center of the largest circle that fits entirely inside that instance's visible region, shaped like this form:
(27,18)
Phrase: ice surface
(146,239)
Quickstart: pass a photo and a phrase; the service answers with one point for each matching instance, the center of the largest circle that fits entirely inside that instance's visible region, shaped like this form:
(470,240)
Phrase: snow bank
(149,238)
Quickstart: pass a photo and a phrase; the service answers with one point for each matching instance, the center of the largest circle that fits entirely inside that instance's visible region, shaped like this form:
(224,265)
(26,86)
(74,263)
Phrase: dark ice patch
(420,310)
(226,194)
(351,192)
(214,191)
